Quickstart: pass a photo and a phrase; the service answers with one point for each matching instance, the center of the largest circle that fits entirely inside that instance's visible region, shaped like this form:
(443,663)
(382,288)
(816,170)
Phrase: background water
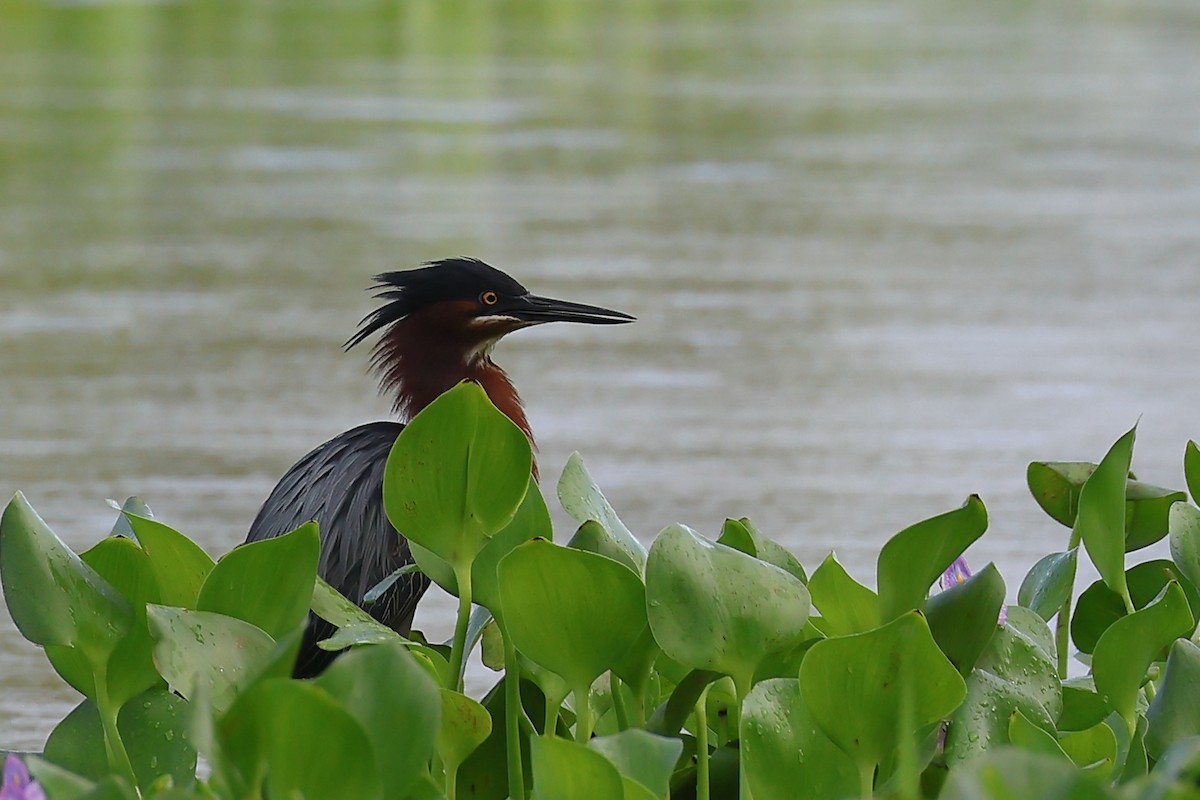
(882,254)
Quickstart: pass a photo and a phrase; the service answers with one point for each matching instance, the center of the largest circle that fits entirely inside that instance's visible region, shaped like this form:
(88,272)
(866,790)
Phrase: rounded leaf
(867,690)
(783,748)
(456,474)
(564,770)
(574,613)
(465,725)
(713,607)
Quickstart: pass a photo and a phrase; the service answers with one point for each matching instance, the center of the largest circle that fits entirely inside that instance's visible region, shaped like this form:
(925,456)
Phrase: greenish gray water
(883,254)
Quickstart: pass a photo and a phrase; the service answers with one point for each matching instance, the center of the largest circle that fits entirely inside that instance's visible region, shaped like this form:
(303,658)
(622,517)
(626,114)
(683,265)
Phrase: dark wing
(340,485)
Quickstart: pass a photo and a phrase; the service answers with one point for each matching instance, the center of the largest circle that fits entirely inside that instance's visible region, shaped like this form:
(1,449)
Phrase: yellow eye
(489,298)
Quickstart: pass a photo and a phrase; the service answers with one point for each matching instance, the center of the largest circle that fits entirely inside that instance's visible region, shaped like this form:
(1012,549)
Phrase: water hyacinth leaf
(132,505)
(1082,706)
(1057,485)
(958,617)
(867,690)
(1093,748)
(465,724)
(1017,672)
(266,583)
(373,684)
(1100,522)
(56,782)
(179,564)
(1015,774)
(372,595)
(782,747)
(742,534)
(846,605)
(1191,470)
(457,474)
(593,537)
(582,499)
(1099,607)
(1136,763)
(129,669)
(1172,714)
(1029,736)
(914,558)
(297,741)
(1174,774)
(53,596)
(704,613)
(201,648)
(572,612)
(564,770)
(641,757)
(531,521)
(1126,650)
(153,727)
(335,608)
(1049,583)
(1185,540)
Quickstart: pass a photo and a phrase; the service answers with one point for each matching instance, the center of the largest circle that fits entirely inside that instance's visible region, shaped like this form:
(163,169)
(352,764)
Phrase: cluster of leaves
(697,668)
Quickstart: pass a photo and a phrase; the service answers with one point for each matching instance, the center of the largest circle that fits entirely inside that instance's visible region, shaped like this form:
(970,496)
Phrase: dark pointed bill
(533,309)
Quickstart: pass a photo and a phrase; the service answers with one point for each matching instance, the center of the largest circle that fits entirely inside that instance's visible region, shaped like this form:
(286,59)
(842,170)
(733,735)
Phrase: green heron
(439,323)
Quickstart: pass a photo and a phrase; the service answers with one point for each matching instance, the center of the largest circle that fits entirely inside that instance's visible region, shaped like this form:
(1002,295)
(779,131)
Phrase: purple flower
(17,783)
(955,574)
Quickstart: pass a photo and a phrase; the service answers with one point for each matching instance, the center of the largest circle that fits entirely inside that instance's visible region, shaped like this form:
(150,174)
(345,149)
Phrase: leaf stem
(512,715)
(702,783)
(118,757)
(462,576)
(866,778)
(583,714)
(550,723)
(618,699)
(1062,626)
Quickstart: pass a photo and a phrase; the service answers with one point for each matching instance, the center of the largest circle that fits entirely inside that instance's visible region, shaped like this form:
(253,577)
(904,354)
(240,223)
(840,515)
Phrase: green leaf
(1100,523)
(918,555)
(868,690)
(1014,774)
(532,520)
(179,564)
(712,607)
(782,747)
(1049,584)
(1185,540)
(741,534)
(457,474)
(53,596)
(153,727)
(1126,650)
(958,617)
(1093,748)
(846,605)
(129,669)
(59,783)
(203,649)
(266,583)
(1191,470)
(574,613)
(1057,486)
(1027,735)
(564,770)
(1017,672)
(1082,706)
(1099,607)
(1172,715)
(465,725)
(593,537)
(295,739)
(642,757)
(582,499)
(375,684)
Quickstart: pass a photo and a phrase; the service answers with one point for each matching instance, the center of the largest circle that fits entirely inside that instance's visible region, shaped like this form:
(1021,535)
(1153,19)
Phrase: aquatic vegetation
(696,668)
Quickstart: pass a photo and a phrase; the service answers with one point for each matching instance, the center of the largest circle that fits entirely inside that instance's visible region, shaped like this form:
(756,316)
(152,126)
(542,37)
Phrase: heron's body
(439,328)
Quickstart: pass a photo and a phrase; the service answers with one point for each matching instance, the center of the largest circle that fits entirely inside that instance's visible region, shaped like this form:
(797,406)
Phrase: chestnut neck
(418,359)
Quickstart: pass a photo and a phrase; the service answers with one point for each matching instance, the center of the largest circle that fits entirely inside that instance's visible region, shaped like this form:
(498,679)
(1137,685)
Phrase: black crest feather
(410,290)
